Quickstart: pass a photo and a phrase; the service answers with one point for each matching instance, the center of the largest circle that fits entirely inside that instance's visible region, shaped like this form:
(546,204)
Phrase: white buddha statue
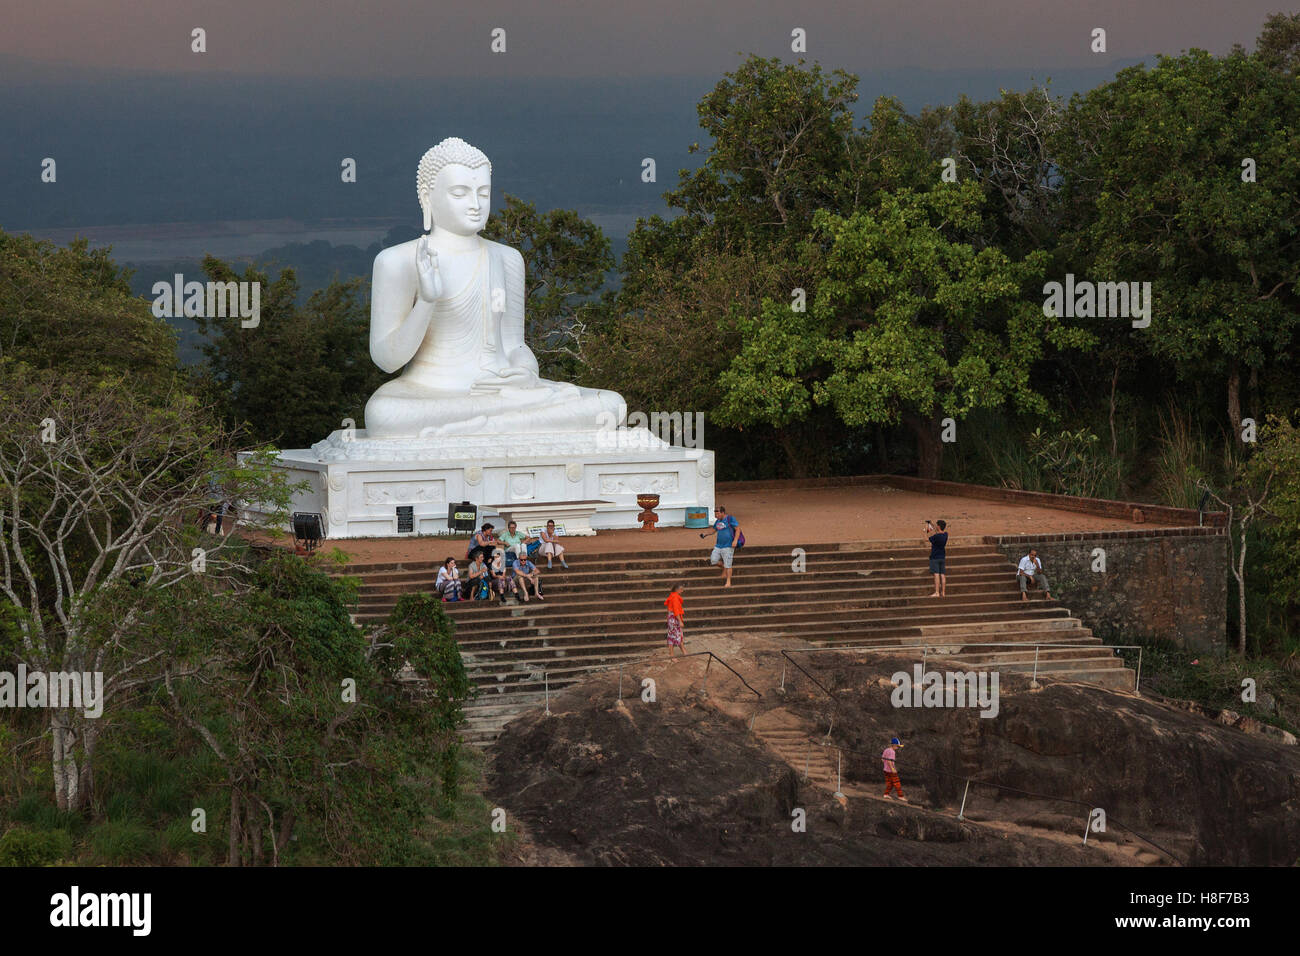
(449,306)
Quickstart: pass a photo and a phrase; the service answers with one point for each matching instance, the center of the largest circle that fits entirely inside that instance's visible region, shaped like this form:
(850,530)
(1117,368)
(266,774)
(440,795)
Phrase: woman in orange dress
(676,615)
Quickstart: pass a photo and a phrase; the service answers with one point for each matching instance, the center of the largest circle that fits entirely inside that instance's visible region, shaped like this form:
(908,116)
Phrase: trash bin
(462,517)
(697,516)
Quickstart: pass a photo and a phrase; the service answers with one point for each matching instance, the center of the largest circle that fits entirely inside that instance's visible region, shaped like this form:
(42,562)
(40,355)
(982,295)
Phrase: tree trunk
(795,456)
(929,448)
(1114,444)
(69,794)
(1234,398)
(236,814)
(1241,594)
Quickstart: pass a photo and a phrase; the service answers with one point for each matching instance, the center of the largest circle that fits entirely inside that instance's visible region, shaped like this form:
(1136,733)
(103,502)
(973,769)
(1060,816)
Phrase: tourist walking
(938,540)
(676,620)
(551,546)
(728,536)
(1030,572)
(891,772)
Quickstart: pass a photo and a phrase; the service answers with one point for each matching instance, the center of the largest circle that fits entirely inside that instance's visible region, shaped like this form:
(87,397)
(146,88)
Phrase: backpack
(740,539)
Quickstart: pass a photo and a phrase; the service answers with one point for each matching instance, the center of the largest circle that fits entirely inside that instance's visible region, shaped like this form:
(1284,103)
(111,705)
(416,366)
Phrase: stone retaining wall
(1168,583)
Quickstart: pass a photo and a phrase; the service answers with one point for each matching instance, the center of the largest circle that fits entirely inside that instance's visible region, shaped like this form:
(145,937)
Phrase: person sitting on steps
(1030,572)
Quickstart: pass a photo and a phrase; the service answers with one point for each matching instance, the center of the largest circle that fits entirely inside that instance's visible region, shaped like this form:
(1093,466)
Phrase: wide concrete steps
(607,610)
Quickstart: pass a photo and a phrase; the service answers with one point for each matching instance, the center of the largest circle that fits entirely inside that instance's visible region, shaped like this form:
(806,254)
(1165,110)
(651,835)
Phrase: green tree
(1152,168)
(293,378)
(69,308)
(99,494)
(910,322)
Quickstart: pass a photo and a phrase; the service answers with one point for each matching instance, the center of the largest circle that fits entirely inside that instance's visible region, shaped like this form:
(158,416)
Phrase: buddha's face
(461,198)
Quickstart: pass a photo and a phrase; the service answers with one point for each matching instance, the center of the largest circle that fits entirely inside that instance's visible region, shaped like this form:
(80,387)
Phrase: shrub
(22,847)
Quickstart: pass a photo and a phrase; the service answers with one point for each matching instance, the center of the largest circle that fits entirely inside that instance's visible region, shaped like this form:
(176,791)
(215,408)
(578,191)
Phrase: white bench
(576,515)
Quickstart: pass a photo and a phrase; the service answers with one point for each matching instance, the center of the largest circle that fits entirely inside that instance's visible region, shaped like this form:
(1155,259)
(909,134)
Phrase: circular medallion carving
(473,475)
(337,481)
(705,467)
(574,472)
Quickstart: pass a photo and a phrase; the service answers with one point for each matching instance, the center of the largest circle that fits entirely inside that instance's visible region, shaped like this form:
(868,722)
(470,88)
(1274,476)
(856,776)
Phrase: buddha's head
(454,183)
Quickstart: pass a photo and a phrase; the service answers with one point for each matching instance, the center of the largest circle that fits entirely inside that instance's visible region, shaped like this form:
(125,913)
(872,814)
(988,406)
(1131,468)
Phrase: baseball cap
(895,742)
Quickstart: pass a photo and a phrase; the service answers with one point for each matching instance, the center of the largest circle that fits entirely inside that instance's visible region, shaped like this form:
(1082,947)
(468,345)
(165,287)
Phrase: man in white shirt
(1031,570)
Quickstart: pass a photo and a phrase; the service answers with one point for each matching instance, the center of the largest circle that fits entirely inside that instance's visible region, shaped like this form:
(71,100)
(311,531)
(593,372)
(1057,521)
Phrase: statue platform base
(357,484)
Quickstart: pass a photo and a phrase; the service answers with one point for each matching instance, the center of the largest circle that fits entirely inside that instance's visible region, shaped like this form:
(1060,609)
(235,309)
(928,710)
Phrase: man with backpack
(727,541)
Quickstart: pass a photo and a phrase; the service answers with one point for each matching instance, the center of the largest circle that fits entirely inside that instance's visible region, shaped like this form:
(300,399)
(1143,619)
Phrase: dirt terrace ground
(808,516)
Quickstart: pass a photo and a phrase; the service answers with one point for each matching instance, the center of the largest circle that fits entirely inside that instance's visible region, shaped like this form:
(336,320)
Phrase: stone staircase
(608,609)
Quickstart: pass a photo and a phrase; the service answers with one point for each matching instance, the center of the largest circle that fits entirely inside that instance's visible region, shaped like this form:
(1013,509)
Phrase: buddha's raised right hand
(426,264)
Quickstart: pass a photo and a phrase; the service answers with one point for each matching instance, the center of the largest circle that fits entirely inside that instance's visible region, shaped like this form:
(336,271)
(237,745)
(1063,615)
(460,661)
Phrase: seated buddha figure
(447,309)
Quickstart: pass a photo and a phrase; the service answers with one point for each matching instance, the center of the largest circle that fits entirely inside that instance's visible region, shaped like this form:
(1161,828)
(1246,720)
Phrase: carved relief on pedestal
(521,486)
(404,492)
(473,475)
(660,483)
(574,472)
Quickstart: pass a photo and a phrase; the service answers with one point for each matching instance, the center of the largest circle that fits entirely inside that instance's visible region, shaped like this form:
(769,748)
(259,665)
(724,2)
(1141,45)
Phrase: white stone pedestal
(357,483)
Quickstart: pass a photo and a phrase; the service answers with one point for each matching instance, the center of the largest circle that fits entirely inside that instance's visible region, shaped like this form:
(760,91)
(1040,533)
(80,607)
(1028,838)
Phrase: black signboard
(405,518)
(462,517)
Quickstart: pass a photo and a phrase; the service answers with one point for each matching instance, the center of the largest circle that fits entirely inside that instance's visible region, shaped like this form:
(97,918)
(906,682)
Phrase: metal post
(1137,681)
(620,683)
(783,678)
(963,799)
(1087,823)
(546,682)
(706,675)
(839,761)
(1034,681)
(831,727)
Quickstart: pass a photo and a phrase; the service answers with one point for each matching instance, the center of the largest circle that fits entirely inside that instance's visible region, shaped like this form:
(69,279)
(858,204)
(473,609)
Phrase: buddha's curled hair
(453,149)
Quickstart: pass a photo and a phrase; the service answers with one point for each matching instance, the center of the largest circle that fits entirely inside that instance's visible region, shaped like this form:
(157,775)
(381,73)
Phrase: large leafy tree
(71,308)
(293,378)
(99,492)
(1152,167)
(910,323)
(783,146)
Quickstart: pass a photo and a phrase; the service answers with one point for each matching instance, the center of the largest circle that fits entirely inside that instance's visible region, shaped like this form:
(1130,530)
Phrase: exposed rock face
(1211,794)
(681,781)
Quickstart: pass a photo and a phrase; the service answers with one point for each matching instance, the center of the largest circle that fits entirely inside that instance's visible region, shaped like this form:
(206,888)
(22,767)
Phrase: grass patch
(1216,682)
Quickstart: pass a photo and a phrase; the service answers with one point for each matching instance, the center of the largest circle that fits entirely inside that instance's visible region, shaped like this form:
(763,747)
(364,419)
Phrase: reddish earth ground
(799,516)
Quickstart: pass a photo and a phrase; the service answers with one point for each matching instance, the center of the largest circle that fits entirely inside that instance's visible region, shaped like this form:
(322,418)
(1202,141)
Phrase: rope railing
(925,649)
(969,780)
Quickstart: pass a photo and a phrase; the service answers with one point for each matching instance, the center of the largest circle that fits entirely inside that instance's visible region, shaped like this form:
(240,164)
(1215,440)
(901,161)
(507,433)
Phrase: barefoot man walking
(726,528)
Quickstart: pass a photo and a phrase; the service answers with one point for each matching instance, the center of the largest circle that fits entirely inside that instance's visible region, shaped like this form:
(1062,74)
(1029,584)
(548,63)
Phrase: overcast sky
(403,38)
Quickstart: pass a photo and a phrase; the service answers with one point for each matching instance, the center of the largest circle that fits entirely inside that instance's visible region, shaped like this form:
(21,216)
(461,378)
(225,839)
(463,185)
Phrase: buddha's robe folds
(452,384)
